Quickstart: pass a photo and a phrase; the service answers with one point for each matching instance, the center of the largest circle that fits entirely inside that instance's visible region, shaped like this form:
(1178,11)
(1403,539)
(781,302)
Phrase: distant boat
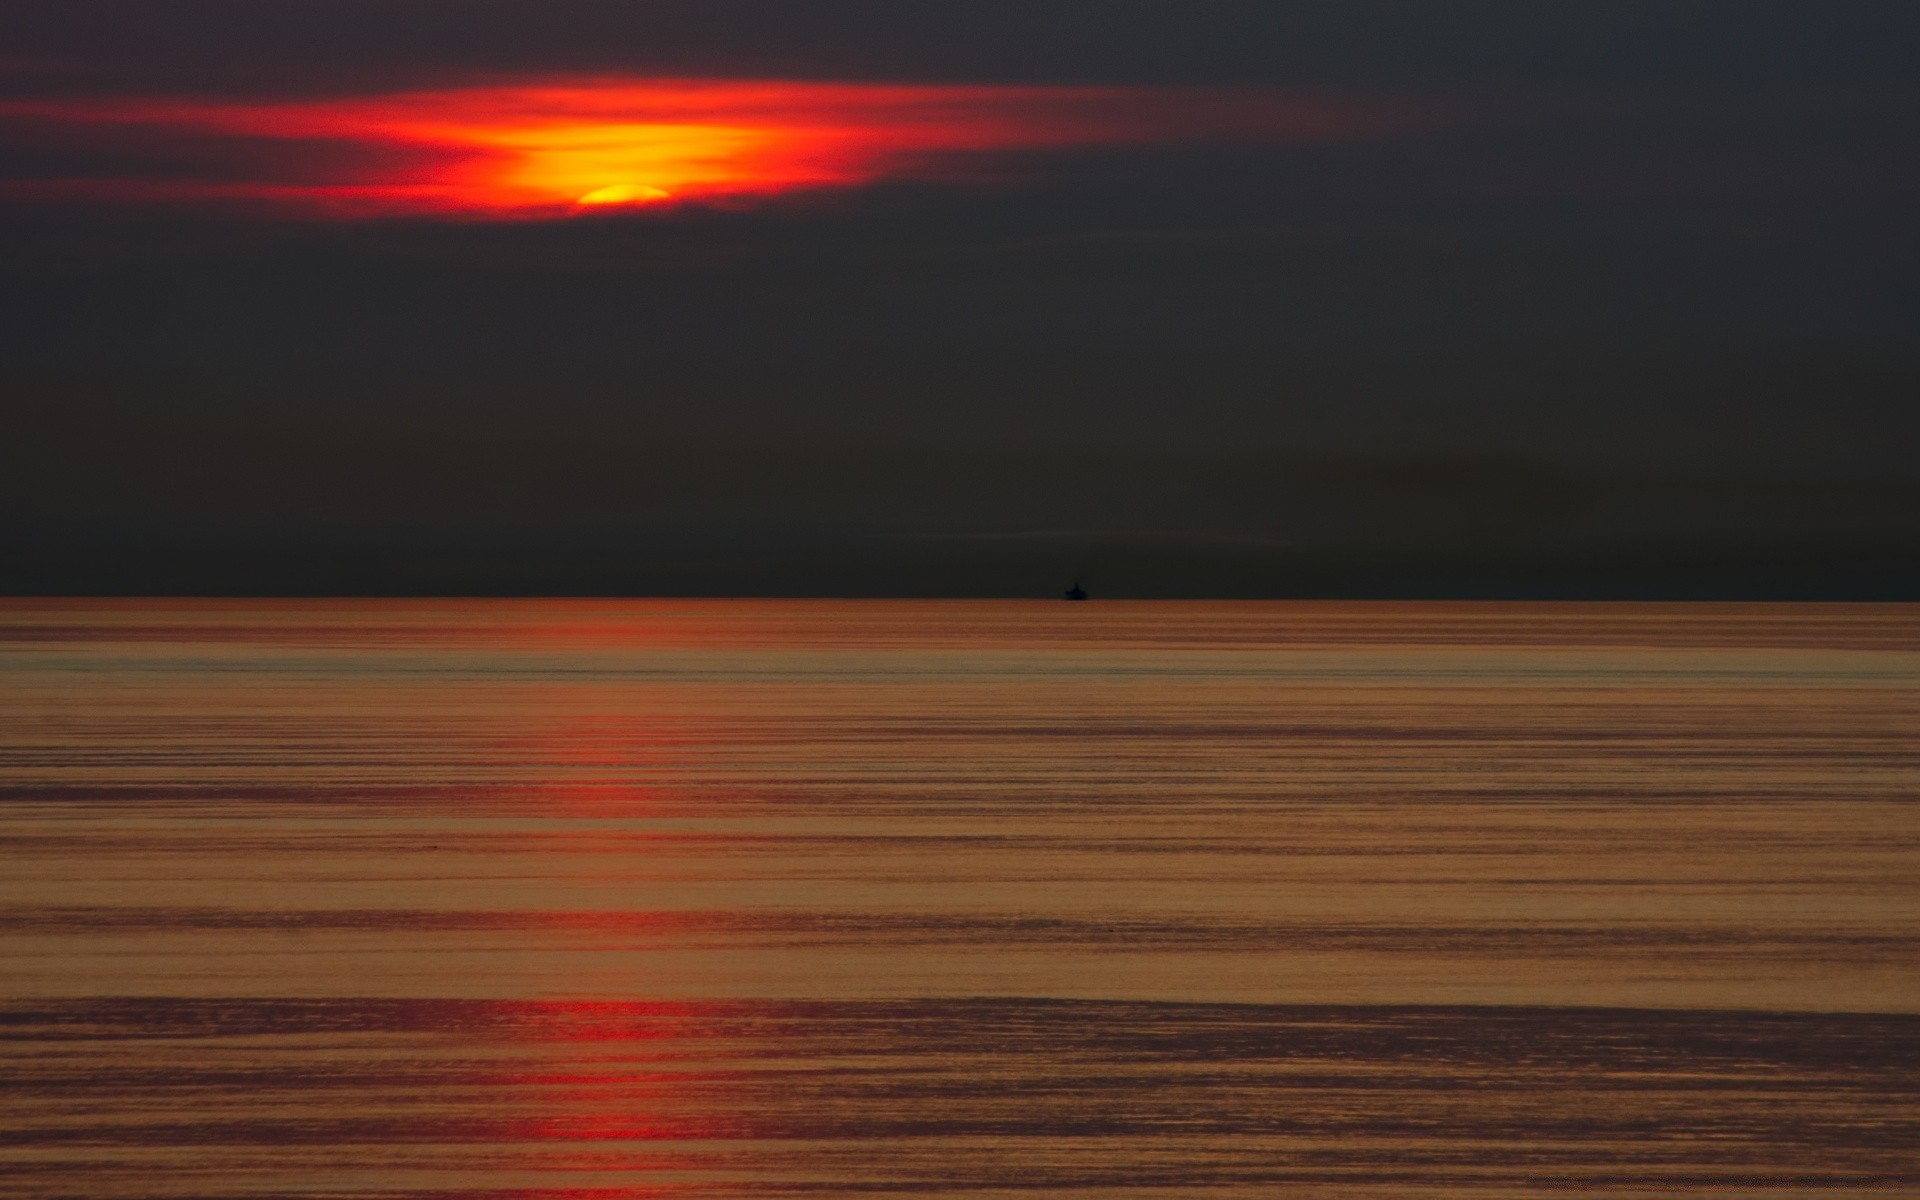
(1076,592)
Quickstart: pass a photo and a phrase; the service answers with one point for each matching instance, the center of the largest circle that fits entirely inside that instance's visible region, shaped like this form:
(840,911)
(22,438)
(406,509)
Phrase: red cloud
(557,147)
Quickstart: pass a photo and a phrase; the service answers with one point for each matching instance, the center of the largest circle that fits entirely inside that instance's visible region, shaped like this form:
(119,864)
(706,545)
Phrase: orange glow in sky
(556,148)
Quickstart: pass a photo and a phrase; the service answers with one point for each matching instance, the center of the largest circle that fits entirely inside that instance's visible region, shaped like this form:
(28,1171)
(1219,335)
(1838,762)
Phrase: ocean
(709,898)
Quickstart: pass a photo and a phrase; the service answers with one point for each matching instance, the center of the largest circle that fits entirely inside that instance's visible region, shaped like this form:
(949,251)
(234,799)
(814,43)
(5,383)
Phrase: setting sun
(547,148)
(624,193)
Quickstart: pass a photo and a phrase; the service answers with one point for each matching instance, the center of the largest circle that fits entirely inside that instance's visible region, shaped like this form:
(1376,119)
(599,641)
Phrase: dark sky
(1620,300)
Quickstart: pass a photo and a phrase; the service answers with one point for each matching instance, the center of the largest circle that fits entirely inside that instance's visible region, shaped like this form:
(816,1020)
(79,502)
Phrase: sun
(552,147)
(623,194)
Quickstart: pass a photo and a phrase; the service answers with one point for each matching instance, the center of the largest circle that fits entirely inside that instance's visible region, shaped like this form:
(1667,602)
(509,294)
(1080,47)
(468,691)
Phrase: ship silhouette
(1076,592)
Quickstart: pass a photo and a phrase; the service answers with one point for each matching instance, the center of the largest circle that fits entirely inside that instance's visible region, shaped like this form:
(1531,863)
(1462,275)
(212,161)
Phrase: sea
(716,898)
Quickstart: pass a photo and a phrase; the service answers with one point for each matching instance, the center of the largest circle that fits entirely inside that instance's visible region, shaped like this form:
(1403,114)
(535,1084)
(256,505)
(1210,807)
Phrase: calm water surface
(738,898)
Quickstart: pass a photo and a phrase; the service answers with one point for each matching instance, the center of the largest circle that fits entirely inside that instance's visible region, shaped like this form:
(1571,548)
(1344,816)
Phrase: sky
(867,297)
